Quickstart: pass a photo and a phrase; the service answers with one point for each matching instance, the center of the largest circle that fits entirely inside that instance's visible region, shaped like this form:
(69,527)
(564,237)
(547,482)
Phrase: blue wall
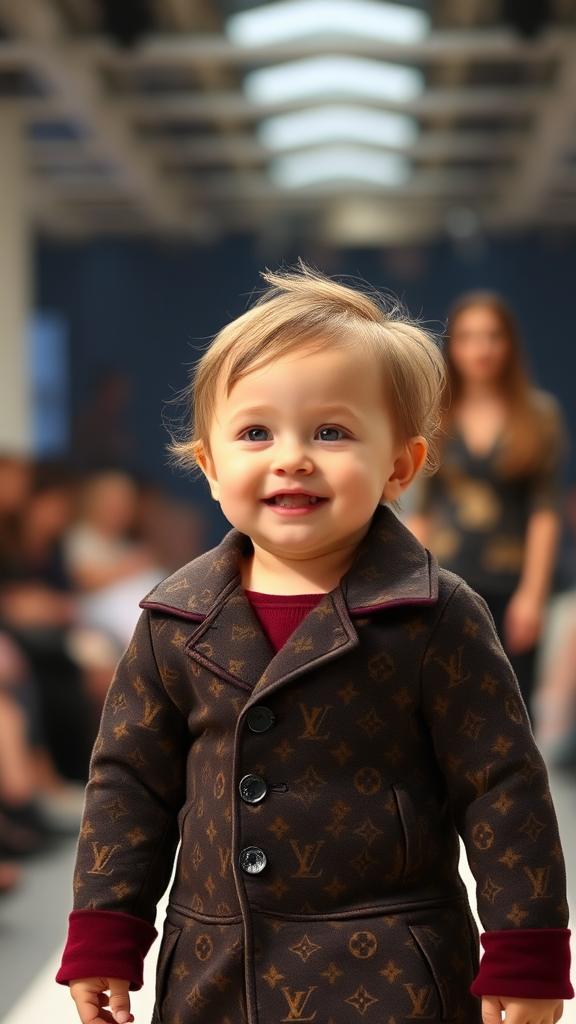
(145,309)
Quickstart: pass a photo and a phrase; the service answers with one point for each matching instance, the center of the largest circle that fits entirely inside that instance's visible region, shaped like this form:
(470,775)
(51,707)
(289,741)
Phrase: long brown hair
(531,438)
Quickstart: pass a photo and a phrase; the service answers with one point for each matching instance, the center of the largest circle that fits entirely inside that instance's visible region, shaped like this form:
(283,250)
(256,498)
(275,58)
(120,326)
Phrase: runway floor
(33,924)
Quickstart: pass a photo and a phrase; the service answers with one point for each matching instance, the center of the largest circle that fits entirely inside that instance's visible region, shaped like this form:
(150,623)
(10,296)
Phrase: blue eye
(257,434)
(330,434)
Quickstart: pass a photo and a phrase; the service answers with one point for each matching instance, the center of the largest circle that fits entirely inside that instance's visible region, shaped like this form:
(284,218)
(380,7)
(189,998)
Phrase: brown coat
(396,724)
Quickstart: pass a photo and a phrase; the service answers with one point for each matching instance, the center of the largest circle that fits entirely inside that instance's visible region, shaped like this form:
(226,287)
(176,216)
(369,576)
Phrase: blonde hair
(301,306)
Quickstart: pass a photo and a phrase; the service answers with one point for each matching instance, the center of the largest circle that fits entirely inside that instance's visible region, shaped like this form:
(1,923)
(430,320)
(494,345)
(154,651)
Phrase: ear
(204,460)
(406,466)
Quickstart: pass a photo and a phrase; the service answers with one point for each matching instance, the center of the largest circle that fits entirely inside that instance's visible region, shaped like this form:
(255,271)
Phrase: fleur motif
(342,753)
(348,693)
(332,973)
(490,890)
(532,827)
(335,888)
(510,859)
(304,949)
(272,976)
(371,723)
(310,782)
(391,971)
(362,862)
(279,827)
(361,1000)
(368,832)
(279,888)
(516,915)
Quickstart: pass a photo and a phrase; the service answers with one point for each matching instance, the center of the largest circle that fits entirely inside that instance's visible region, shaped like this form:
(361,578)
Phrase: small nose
(291,456)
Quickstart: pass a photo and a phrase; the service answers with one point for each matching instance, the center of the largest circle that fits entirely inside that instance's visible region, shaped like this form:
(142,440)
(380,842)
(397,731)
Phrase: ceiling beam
(244,148)
(540,161)
(38,24)
(425,183)
(486,45)
(454,101)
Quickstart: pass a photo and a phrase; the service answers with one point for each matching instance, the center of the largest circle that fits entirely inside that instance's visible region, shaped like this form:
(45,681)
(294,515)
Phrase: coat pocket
(433,949)
(166,955)
(412,836)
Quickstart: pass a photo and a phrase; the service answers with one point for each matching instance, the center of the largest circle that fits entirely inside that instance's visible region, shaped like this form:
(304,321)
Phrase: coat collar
(391,568)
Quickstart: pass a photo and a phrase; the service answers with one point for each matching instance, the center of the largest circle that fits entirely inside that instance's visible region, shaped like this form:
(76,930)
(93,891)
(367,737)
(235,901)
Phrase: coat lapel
(231,642)
(325,634)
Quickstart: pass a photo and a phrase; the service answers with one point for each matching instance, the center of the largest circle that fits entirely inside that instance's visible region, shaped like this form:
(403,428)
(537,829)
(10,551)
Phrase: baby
(316,712)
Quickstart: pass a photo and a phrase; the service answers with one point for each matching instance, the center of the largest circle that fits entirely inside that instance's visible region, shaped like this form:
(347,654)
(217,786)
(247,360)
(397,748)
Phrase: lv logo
(479,780)
(306,858)
(420,999)
(102,857)
(313,719)
(224,853)
(150,712)
(297,1003)
(539,878)
(453,668)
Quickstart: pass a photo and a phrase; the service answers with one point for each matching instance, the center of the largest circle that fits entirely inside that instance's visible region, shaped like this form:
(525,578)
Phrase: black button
(253,789)
(260,719)
(252,860)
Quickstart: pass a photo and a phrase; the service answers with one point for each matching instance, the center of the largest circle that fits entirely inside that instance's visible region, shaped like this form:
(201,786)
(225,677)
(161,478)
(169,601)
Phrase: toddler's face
(303,450)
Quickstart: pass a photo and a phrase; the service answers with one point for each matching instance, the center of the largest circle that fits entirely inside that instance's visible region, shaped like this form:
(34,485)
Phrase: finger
(89,1009)
(491,1010)
(87,1004)
(119,1001)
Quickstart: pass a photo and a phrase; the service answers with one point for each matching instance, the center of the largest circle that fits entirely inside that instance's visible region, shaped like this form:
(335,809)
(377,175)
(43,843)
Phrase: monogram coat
(318,795)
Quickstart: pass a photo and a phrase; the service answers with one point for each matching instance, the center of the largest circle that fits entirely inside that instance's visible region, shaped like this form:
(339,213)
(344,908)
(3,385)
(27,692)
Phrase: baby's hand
(91,998)
(521,1011)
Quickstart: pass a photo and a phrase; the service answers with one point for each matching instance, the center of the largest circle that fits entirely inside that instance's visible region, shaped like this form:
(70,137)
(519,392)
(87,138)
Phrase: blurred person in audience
(492,512)
(110,567)
(174,529)
(38,609)
(30,815)
(102,437)
(15,484)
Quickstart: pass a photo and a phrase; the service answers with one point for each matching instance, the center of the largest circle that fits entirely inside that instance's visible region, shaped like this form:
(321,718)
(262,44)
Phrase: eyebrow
(267,410)
(254,410)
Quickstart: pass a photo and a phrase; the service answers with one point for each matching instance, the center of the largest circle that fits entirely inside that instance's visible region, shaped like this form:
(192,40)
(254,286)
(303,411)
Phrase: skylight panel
(337,124)
(345,164)
(290,20)
(333,77)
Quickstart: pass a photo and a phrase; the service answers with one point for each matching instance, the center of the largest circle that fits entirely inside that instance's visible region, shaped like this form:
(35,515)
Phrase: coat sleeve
(498,790)
(129,831)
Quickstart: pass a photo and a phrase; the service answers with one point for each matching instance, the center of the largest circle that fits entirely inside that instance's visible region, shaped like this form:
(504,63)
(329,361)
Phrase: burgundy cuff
(104,943)
(529,963)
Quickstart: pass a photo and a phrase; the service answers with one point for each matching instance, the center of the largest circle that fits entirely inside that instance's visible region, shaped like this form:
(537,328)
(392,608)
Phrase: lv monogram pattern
(395,726)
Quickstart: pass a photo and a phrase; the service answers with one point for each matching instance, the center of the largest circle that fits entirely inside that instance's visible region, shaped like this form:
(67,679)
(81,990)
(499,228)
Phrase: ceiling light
(339,163)
(299,19)
(337,124)
(327,77)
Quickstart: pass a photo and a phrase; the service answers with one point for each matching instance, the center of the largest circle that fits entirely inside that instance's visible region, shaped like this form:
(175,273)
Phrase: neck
(270,573)
(480,391)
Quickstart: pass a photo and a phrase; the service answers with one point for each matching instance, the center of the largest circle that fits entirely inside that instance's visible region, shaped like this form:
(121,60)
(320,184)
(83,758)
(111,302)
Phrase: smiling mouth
(294,500)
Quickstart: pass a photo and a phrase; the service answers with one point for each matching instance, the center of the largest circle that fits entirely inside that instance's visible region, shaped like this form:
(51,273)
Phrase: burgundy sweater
(522,963)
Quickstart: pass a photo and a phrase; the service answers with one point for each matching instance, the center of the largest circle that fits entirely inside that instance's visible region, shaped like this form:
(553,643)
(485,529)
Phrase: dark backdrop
(145,310)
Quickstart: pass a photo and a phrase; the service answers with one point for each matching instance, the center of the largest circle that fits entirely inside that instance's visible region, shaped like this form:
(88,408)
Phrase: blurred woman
(492,512)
